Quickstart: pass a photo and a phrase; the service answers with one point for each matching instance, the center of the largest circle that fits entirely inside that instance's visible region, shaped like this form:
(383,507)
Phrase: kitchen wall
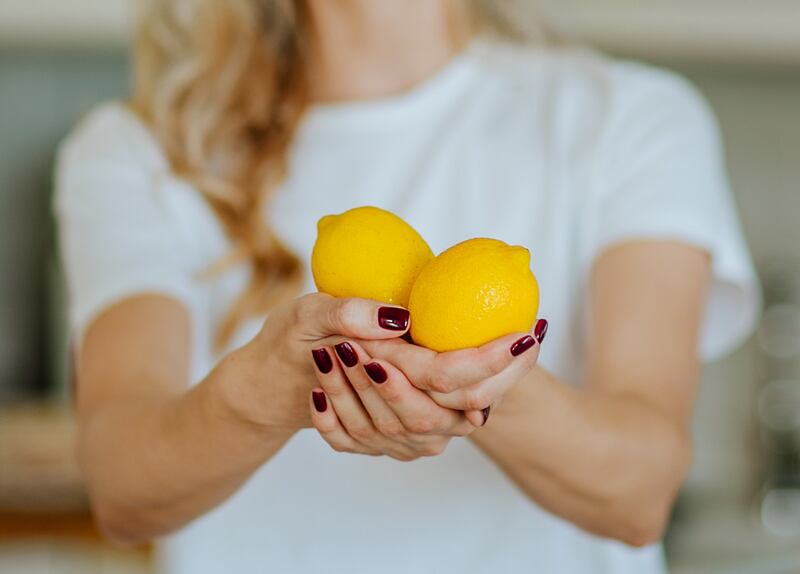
(760,118)
(733,32)
(54,22)
(42,93)
(759,114)
(719,524)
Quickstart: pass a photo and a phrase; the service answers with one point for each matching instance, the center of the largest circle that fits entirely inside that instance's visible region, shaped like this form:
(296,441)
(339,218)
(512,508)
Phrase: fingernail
(323,360)
(347,354)
(376,373)
(540,332)
(320,402)
(393,318)
(486,412)
(522,345)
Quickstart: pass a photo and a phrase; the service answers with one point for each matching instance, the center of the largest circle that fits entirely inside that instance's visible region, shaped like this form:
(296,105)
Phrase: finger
(486,393)
(477,418)
(348,407)
(481,417)
(417,412)
(364,375)
(447,372)
(342,397)
(327,423)
(323,315)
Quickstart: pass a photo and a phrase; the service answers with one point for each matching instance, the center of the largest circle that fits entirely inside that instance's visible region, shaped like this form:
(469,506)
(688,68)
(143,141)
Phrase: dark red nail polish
(347,354)
(522,345)
(376,373)
(323,360)
(320,402)
(393,318)
(486,412)
(540,332)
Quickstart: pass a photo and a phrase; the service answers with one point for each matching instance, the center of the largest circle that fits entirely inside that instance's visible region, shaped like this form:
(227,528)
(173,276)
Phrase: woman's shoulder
(108,159)
(588,97)
(111,132)
(578,72)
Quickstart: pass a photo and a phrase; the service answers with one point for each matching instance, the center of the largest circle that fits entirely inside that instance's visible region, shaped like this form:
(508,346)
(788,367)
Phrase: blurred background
(740,509)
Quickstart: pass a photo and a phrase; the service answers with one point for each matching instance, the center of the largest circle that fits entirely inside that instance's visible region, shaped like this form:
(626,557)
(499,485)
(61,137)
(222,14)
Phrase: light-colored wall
(719,31)
(760,33)
(760,119)
(42,93)
(98,22)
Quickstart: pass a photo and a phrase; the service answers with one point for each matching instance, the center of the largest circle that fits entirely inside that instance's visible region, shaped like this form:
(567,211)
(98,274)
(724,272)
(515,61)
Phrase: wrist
(246,390)
(517,407)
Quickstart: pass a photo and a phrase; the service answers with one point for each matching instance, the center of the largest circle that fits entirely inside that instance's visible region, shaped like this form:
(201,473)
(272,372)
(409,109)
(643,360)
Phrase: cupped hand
(278,374)
(368,406)
(471,380)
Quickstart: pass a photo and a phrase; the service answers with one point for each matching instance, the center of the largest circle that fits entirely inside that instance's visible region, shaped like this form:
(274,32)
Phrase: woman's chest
(450,188)
(450,192)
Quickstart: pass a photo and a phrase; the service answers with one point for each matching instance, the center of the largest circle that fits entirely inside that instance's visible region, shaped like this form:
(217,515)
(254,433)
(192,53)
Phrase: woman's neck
(363,49)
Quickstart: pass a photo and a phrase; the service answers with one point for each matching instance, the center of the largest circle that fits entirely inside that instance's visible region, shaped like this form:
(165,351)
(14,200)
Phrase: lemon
(474,292)
(370,253)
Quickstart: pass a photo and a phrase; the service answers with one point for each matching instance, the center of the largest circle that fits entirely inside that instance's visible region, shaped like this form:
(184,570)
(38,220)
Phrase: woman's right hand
(367,406)
(271,377)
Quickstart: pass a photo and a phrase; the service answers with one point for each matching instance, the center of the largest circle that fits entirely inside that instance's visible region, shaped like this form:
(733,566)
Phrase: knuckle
(298,312)
(463,430)
(360,383)
(433,449)
(338,447)
(389,392)
(308,302)
(403,457)
(440,376)
(325,426)
(439,382)
(531,358)
(422,425)
(476,399)
(362,432)
(391,429)
(310,299)
(332,388)
(303,309)
(494,363)
(346,313)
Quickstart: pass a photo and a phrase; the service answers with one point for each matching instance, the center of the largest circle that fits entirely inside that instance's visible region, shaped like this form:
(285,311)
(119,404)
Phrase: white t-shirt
(564,153)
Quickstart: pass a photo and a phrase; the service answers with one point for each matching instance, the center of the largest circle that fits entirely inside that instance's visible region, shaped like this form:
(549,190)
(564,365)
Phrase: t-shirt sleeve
(661,174)
(115,234)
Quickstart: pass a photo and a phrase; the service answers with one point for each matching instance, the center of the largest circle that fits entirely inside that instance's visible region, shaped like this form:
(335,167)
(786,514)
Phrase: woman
(189,215)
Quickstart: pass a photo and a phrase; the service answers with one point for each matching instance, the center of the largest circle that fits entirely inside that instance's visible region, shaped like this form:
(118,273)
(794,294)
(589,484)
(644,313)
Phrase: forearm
(154,463)
(610,464)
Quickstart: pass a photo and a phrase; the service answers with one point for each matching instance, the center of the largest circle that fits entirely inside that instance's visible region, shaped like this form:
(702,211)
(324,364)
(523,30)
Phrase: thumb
(356,318)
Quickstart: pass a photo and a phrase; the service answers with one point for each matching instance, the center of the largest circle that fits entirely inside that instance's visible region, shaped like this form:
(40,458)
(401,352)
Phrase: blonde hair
(221,84)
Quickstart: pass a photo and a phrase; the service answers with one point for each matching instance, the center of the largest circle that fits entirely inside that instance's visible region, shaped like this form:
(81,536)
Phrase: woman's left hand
(368,406)
(470,380)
